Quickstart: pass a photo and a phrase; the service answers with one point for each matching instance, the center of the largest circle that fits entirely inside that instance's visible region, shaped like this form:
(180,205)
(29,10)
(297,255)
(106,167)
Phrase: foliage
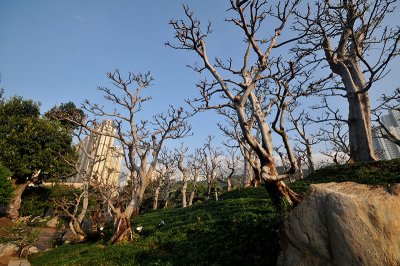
(20,234)
(64,112)
(29,142)
(6,189)
(377,173)
(37,199)
(241,228)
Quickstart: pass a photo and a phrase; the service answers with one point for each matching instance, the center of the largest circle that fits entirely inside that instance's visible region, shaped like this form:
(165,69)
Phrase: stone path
(42,244)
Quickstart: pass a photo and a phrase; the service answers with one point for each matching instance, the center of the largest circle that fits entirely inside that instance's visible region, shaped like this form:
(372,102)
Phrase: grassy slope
(375,173)
(241,228)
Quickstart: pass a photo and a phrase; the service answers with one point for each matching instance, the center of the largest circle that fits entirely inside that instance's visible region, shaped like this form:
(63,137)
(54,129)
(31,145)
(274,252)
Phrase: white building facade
(384,148)
(99,160)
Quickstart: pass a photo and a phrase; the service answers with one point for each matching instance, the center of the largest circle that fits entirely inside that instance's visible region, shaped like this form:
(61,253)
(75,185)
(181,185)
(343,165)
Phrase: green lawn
(240,229)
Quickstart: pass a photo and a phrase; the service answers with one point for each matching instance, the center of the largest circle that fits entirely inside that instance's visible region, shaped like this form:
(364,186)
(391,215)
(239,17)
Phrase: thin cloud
(78,18)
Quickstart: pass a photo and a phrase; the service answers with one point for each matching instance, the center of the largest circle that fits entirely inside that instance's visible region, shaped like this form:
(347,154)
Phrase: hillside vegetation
(242,228)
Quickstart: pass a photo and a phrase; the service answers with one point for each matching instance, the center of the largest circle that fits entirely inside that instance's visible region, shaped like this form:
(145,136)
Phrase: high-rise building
(384,148)
(99,160)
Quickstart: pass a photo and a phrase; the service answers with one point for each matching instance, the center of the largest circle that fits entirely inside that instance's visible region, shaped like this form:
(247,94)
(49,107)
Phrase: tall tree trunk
(256,178)
(122,226)
(76,228)
(183,193)
(166,193)
(155,200)
(209,187)
(191,197)
(277,190)
(246,173)
(229,183)
(193,192)
(360,132)
(156,195)
(15,205)
(311,166)
(123,229)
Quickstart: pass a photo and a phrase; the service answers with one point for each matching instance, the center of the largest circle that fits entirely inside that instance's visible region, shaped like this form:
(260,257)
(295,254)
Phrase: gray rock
(344,224)
(49,213)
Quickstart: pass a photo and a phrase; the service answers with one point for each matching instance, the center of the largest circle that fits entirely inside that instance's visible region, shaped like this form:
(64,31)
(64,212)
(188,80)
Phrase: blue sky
(56,51)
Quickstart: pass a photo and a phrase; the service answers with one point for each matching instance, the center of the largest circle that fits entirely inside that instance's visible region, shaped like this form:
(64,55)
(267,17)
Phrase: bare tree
(350,33)
(235,87)
(229,166)
(210,162)
(300,123)
(194,164)
(141,140)
(165,171)
(183,167)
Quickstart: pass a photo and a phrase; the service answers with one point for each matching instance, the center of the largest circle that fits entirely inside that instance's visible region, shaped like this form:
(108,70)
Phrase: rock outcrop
(344,224)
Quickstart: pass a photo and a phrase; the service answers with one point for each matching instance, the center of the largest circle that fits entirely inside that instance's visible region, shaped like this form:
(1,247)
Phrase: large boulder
(344,224)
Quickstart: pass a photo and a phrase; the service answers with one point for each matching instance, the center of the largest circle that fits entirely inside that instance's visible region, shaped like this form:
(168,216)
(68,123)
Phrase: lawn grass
(240,229)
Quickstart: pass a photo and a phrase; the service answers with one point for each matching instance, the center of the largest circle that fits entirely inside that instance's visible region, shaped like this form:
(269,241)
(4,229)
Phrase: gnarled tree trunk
(15,205)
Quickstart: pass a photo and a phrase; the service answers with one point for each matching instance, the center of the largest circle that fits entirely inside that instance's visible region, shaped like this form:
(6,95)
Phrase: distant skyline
(59,51)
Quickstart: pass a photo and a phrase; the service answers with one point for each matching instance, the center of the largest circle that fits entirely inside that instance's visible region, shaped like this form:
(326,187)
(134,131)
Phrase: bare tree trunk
(209,187)
(360,132)
(277,189)
(156,195)
(122,227)
(76,228)
(123,230)
(193,192)
(311,166)
(15,205)
(166,194)
(229,183)
(183,193)
(191,197)
(246,174)
(256,180)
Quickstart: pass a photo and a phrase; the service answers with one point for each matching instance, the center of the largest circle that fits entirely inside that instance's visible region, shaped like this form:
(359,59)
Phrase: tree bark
(76,228)
(360,132)
(229,183)
(15,205)
(191,197)
(183,193)
(123,230)
(156,195)
(311,167)
(281,195)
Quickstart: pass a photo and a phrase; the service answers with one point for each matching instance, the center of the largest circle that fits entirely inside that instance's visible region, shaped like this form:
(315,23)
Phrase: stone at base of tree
(28,250)
(344,224)
(8,249)
(68,237)
(53,222)
(19,262)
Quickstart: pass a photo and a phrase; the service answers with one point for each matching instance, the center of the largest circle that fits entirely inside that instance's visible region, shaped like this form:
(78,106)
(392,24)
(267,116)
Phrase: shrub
(6,189)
